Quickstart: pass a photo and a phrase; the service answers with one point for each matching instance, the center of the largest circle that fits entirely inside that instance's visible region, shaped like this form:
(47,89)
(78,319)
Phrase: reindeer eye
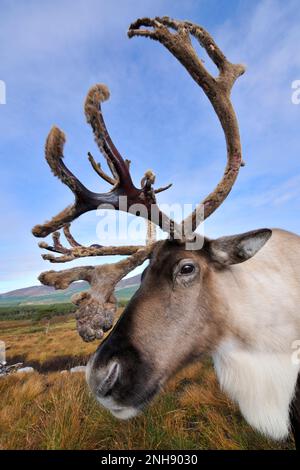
(185,272)
(187,269)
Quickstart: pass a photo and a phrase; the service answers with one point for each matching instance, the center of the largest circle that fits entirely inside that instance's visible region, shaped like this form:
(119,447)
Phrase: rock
(25,370)
(77,369)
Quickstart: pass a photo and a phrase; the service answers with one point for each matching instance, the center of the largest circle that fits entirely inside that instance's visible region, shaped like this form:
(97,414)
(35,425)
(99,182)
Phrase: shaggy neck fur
(261,320)
(263,385)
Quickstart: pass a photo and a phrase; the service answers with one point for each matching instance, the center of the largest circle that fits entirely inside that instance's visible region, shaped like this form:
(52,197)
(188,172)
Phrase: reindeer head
(172,319)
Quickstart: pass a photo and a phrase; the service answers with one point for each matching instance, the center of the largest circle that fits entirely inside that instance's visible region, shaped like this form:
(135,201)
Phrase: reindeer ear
(237,248)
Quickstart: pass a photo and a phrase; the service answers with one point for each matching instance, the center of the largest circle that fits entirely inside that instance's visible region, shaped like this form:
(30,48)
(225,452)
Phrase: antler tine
(93,112)
(163,188)
(97,167)
(86,200)
(70,237)
(54,154)
(217,90)
(79,251)
(85,251)
(57,246)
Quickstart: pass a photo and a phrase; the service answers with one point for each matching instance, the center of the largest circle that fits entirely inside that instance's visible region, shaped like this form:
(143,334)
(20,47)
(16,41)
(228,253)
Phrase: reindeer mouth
(129,411)
(125,413)
(118,411)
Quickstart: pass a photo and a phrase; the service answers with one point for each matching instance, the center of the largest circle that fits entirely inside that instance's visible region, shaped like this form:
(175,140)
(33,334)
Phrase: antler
(97,306)
(86,200)
(80,251)
(217,90)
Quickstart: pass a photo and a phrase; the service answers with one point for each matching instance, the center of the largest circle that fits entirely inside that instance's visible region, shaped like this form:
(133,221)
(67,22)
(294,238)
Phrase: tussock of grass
(56,411)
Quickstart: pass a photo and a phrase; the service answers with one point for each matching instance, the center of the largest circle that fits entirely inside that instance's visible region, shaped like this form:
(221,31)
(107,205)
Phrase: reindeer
(236,298)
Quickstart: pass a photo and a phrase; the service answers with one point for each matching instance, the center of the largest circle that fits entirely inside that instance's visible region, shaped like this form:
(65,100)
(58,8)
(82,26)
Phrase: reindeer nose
(109,378)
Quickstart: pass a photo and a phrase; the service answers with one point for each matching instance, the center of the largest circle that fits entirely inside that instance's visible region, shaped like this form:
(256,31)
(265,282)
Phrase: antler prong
(97,167)
(163,188)
(57,246)
(86,251)
(79,251)
(69,236)
(96,95)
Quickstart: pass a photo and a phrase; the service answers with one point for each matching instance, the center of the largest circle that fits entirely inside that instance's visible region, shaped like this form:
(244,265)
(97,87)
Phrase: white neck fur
(263,385)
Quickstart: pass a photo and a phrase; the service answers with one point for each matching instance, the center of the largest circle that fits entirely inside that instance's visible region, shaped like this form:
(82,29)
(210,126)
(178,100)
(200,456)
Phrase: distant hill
(48,295)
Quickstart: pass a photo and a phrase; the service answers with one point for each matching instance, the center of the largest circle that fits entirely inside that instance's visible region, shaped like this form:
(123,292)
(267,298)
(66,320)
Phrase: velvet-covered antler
(96,307)
(86,200)
(175,36)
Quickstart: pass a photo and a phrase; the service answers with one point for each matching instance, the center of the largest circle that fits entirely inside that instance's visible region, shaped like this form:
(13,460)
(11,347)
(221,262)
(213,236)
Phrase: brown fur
(175,317)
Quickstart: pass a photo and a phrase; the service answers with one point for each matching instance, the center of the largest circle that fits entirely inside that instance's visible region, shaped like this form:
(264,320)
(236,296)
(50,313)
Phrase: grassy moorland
(29,299)
(34,312)
(53,410)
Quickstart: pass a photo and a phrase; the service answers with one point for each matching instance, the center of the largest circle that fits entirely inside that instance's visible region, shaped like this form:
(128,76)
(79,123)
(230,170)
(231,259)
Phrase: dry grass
(38,341)
(56,411)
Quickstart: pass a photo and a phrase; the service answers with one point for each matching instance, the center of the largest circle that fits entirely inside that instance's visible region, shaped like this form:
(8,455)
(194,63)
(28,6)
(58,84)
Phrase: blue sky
(52,52)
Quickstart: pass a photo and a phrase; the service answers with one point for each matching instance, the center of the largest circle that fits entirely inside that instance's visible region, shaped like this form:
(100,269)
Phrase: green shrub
(35,312)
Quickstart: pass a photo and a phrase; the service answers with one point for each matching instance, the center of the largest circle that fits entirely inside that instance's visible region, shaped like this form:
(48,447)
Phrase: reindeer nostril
(105,387)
